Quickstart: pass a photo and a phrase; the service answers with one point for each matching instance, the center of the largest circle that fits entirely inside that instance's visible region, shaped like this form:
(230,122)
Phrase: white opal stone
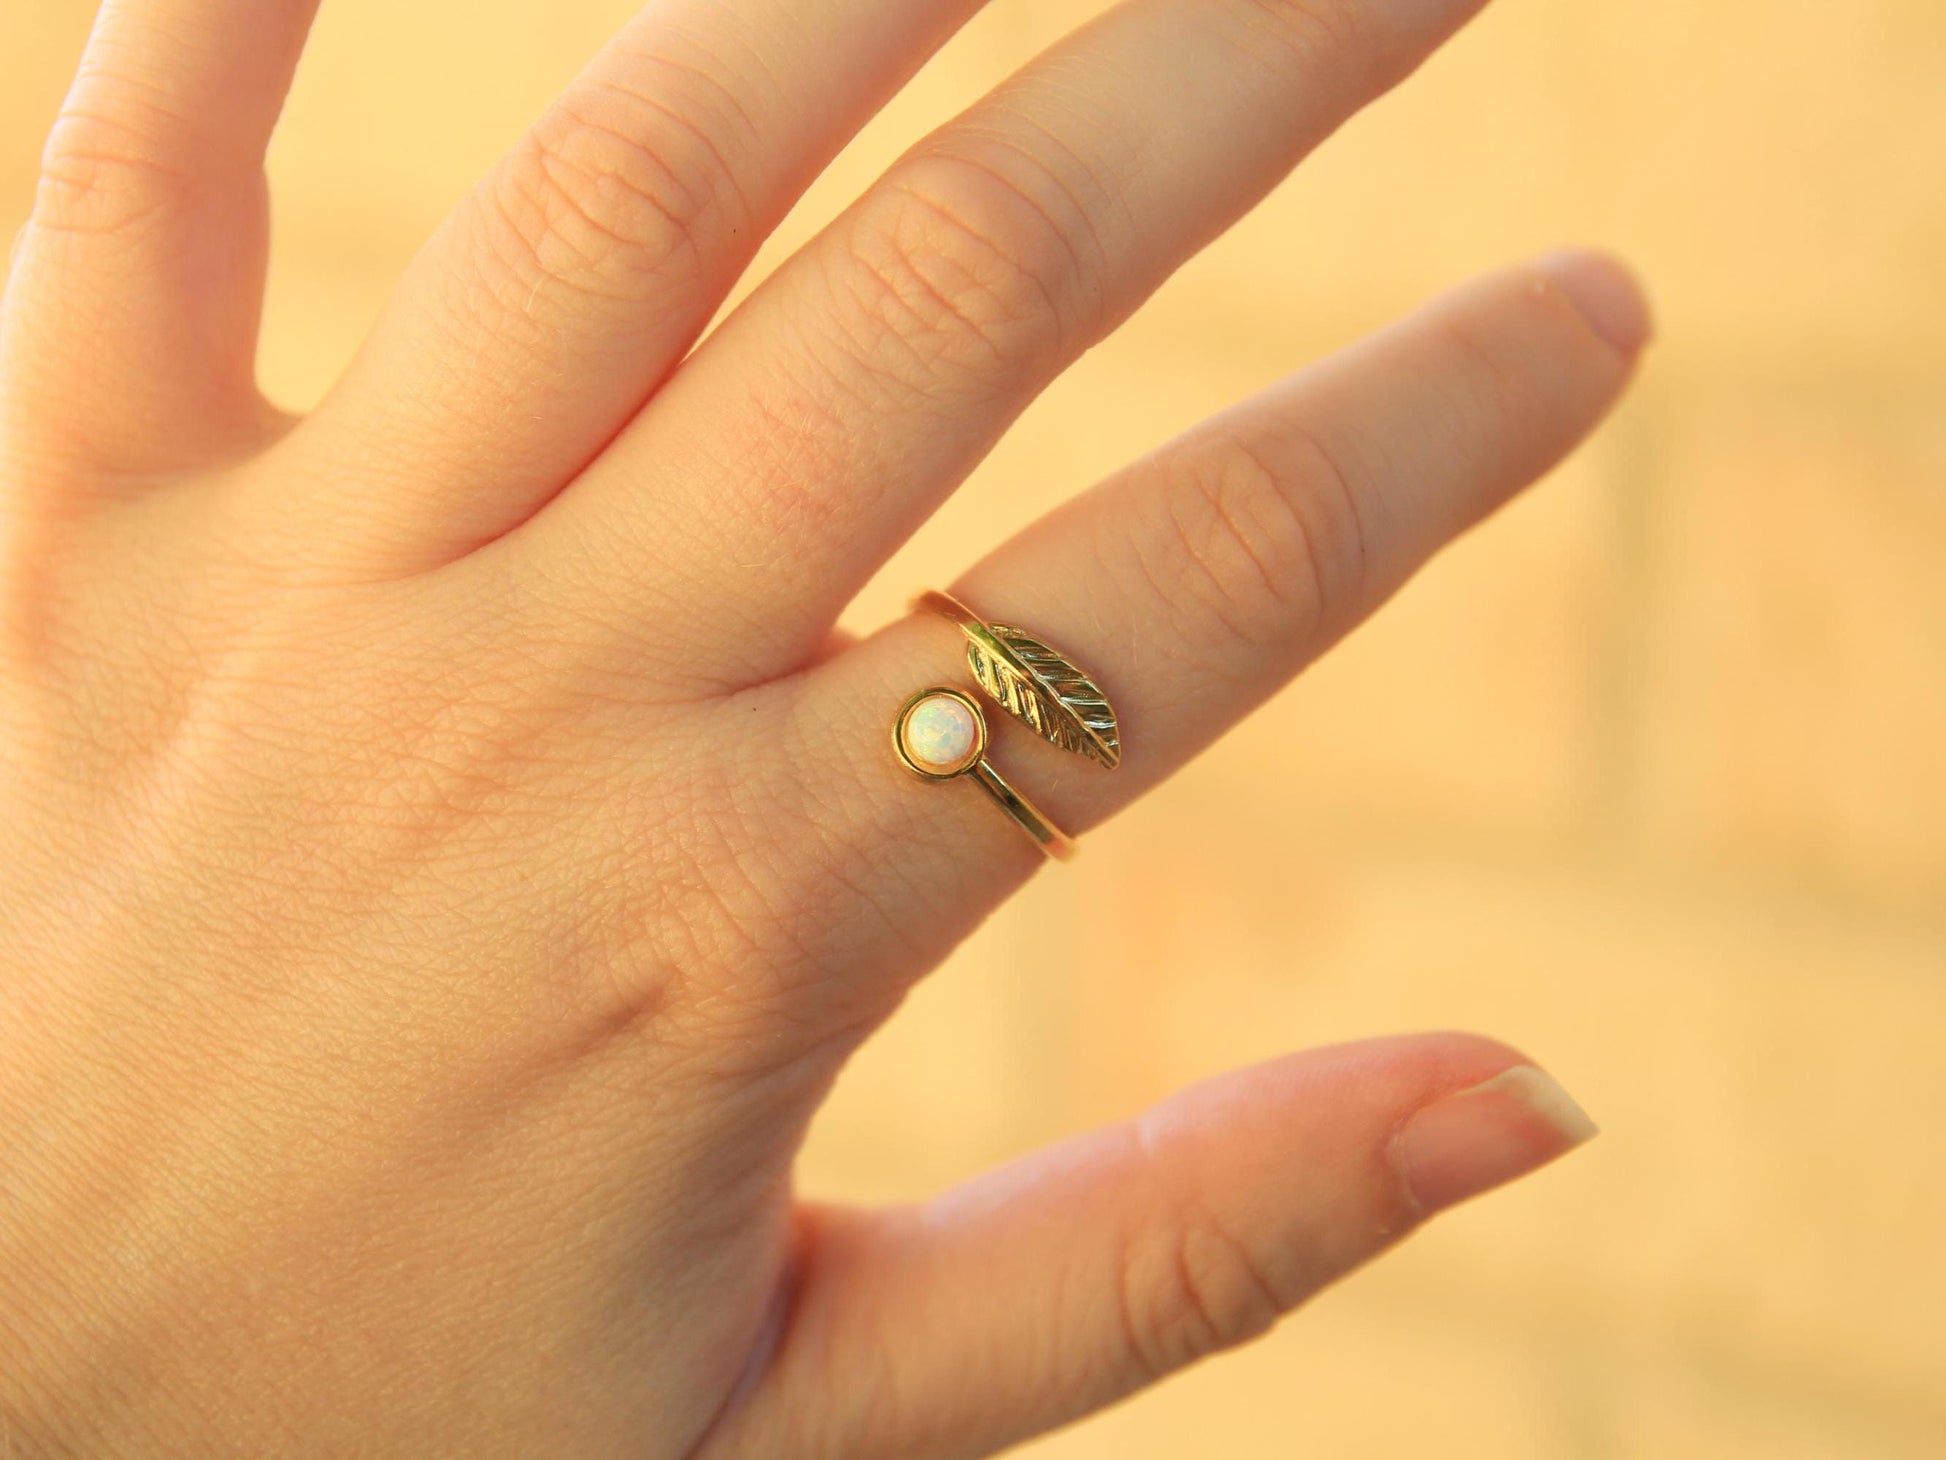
(941,734)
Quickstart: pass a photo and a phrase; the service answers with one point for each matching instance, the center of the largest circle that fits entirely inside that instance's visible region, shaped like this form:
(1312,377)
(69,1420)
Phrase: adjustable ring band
(941,733)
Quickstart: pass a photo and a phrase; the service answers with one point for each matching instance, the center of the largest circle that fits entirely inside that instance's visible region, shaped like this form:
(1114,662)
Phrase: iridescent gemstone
(941,735)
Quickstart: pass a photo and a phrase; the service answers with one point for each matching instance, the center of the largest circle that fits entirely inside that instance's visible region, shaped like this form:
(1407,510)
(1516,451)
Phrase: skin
(449,854)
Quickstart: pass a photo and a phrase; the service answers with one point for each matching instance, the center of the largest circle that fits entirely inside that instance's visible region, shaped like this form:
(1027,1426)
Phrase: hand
(449,853)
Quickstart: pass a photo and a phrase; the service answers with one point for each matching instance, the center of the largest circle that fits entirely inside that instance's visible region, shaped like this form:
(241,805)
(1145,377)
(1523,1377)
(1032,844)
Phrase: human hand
(449,853)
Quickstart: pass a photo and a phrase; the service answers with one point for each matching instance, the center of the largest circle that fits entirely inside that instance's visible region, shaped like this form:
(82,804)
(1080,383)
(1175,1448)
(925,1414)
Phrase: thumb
(1056,1286)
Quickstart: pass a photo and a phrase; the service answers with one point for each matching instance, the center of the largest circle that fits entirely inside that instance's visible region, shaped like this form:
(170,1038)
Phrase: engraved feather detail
(1047,692)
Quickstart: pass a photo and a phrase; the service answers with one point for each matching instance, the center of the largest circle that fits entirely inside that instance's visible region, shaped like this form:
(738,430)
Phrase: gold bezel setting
(1036,685)
(911,706)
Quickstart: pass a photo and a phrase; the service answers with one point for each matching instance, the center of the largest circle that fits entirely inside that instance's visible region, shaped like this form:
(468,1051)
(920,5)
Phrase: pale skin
(449,851)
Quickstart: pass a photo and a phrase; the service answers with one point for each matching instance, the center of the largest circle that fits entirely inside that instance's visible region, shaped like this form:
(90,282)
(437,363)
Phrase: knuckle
(960,268)
(1272,550)
(1315,36)
(605,191)
(101,174)
(1193,1289)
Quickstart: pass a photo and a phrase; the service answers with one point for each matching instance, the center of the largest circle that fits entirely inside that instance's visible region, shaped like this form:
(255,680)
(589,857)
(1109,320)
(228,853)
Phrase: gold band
(941,733)
(932,757)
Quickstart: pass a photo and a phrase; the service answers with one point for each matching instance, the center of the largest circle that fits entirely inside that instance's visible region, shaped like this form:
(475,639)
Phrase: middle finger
(568,283)
(828,418)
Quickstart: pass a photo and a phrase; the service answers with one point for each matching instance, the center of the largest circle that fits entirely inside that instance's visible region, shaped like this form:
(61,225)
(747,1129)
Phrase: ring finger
(1196,584)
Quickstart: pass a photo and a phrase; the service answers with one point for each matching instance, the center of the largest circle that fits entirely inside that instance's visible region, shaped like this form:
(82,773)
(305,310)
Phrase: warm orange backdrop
(1649,776)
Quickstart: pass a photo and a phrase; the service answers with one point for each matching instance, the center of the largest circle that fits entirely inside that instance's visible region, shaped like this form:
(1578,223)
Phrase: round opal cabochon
(941,734)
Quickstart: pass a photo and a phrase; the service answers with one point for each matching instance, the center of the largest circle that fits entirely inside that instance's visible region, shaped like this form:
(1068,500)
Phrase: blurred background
(1648,776)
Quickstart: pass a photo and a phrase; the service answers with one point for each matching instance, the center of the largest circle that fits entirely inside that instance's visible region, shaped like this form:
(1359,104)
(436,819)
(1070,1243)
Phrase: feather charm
(1046,691)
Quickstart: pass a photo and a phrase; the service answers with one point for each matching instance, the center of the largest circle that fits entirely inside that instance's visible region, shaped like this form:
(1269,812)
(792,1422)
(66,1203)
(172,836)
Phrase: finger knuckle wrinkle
(1315,34)
(1241,533)
(603,207)
(963,265)
(1193,1290)
(101,174)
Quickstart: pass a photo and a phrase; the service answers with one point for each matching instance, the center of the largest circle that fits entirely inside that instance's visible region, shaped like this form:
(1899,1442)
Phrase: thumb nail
(1604,294)
(1470,1142)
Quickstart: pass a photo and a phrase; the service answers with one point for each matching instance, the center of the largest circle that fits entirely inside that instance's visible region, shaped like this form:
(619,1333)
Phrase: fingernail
(1470,1142)
(1605,294)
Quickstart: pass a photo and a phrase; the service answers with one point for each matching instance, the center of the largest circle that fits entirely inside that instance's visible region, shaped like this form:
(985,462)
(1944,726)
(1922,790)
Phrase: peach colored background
(1649,776)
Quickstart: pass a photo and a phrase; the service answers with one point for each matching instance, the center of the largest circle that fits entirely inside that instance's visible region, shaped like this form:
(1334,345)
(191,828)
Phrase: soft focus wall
(1647,776)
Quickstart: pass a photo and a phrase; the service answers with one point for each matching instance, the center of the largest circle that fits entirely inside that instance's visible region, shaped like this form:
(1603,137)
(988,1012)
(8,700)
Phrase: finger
(1199,582)
(828,418)
(1054,1288)
(139,282)
(550,304)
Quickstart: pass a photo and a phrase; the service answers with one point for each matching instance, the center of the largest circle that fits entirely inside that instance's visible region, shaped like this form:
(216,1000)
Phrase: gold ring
(941,733)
